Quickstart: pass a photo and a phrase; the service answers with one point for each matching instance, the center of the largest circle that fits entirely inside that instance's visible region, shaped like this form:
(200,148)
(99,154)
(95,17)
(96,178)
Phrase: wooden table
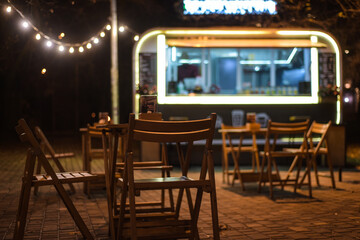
(250,175)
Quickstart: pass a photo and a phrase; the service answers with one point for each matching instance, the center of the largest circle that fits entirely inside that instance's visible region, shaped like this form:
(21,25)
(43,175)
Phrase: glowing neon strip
(136,63)
(230,100)
(161,65)
(335,47)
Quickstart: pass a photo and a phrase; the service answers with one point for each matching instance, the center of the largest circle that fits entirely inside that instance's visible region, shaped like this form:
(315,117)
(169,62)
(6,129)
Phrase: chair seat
(64,177)
(168,182)
(61,155)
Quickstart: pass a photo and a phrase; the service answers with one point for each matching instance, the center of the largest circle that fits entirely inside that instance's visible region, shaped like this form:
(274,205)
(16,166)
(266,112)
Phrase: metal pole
(114,64)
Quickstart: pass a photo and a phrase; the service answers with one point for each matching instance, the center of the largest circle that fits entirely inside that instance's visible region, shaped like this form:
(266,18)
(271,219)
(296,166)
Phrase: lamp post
(114,72)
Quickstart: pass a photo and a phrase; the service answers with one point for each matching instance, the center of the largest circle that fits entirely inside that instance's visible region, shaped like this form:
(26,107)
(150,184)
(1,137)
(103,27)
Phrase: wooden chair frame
(271,153)
(229,148)
(316,149)
(134,223)
(51,178)
(47,147)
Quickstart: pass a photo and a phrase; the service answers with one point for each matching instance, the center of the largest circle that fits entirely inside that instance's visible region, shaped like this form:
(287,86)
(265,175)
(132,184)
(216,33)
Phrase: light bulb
(38,36)
(96,40)
(8,9)
(25,24)
(88,46)
(81,49)
(136,38)
(61,48)
(71,50)
(48,43)
(121,28)
(43,71)
(102,34)
(108,27)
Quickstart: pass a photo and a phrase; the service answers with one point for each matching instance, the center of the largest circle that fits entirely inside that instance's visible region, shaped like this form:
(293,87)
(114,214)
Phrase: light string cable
(62,46)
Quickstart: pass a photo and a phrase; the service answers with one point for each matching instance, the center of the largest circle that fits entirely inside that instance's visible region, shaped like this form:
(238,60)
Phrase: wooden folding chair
(115,136)
(51,154)
(229,148)
(272,151)
(151,223)
(316,148)
(50,178)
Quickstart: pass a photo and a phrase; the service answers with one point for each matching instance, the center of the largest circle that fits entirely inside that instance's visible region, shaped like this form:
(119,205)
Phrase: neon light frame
(235,100)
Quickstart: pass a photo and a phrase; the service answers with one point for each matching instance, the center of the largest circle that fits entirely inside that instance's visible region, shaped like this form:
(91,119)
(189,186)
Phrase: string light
(43,71)
(49,44)
(62,46)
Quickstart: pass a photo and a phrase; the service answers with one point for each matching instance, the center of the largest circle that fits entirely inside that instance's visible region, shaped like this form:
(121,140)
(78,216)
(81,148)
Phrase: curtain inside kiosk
(239,66)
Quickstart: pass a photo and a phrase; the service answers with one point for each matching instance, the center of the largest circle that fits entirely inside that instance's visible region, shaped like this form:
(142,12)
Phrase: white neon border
(213,99)
(228,100)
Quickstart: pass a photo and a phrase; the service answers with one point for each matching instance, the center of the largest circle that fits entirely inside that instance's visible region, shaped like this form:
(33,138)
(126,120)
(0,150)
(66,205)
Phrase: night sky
(74,86)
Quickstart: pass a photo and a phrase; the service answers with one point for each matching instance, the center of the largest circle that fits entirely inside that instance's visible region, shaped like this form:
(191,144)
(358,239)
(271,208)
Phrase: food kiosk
(285,73)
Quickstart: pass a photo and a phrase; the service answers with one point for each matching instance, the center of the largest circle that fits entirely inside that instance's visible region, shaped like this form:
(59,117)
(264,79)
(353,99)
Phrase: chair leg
(24,197)
(308,163)
(315,170)
(261,174)
(269,171)
(331,171)
(38,171)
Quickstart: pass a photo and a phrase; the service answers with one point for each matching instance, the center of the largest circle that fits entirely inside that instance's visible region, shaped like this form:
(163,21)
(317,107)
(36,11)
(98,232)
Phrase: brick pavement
(330,214)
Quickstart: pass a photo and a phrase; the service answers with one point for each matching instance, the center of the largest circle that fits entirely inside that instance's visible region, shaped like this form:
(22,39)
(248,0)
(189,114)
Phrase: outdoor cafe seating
(273,151)
(134,220)
(57,179)
(316,148)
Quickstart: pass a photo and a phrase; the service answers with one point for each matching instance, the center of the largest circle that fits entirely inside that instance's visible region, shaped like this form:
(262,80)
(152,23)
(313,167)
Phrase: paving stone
(330,214)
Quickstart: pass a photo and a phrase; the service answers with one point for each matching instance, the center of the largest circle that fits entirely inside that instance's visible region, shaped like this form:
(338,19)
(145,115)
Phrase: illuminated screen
(229,7)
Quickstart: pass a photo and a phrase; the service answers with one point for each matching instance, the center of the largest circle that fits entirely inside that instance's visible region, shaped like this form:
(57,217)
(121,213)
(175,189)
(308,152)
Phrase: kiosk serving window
(238,71)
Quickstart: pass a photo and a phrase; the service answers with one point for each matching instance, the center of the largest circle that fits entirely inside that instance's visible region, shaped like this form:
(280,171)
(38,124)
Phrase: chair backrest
(321,130)
(238,117)
(44,141)
(278,129)
(171,132)
(263,119)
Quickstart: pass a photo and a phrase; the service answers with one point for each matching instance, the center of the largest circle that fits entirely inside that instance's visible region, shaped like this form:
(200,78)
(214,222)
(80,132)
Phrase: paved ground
(330,214)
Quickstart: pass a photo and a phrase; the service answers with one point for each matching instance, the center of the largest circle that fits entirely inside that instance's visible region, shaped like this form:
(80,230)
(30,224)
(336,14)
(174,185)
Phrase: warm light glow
(121,28)
(102,34)
(25,24)
(43,71)
(161,69)
(81,49)
(96,40)
(347,85)
(61,48)
(62,34)
(8,9)
(49,44)
(346,99)
(136,38)
(108,27)
(71,50)
(88,46)
(38,36)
